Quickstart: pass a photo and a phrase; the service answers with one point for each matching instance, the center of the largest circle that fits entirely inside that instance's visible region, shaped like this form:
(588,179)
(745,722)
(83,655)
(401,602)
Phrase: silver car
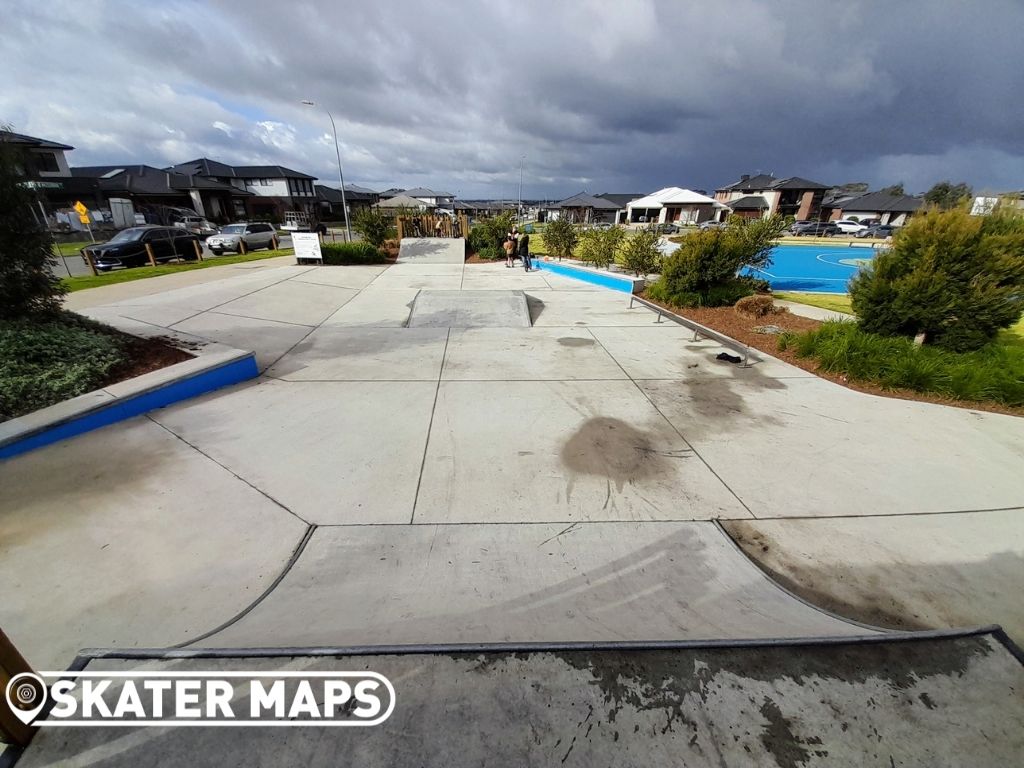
(255,235)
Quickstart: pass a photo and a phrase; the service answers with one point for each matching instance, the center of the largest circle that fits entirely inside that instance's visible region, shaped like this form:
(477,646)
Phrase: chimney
(745,177)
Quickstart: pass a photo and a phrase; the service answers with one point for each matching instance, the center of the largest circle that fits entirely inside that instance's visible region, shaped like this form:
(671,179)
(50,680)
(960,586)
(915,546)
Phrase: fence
(432,226)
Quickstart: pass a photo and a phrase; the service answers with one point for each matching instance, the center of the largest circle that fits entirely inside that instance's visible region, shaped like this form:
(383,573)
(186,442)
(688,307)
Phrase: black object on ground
(728,358)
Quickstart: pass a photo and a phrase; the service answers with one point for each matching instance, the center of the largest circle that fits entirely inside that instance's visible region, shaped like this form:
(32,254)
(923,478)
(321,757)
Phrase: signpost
(307,246)
(83,216)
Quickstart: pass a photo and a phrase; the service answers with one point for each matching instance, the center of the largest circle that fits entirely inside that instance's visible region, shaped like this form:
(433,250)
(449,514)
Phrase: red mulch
(740,327)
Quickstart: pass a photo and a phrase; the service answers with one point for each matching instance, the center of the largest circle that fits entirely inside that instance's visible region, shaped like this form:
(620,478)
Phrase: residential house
(792,196)
(621,200)
(273,189)
(160,195)
(430,197)
(404,201)
(392,192)
(357,198)
(884,207)
(582,208)
(672,205)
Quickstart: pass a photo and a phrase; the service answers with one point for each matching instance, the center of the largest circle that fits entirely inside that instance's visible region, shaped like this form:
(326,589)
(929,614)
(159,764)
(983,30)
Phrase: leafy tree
(490,232)
(561,237)
(895,190)
(956,278)
(703,271)
(28,282)
(640,253)
(374,225)
(598,246)
(946,195)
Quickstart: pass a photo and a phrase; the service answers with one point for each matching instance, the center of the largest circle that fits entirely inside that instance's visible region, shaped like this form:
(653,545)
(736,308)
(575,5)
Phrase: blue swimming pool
(813,268)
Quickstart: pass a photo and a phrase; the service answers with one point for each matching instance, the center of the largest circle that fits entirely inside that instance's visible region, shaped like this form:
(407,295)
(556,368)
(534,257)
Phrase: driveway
(471,480)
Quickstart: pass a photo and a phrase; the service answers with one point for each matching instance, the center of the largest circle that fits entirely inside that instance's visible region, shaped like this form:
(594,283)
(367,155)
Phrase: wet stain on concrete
(572,341)
(780,740)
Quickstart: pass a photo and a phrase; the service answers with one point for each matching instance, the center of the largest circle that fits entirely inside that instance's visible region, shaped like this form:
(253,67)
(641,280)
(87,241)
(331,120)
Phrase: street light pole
(521,159)
(341,175)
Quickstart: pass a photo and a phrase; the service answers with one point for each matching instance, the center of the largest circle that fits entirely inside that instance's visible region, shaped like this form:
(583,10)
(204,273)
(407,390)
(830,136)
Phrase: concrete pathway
(380,483)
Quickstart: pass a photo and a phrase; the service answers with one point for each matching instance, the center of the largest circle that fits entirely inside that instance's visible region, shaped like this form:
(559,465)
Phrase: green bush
(490,253)
(374,225)
(336,254)
(28,281)
(560,237)
(46,361)
(598,247)
(703,271)
(954,277)
(640,254)
(992,373)
(490,232)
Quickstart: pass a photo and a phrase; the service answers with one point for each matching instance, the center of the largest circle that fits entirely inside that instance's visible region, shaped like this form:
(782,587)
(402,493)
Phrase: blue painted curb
(119,410)
(587,276)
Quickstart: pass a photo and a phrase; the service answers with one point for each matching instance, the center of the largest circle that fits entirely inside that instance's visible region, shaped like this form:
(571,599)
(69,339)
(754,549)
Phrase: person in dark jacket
(524,251)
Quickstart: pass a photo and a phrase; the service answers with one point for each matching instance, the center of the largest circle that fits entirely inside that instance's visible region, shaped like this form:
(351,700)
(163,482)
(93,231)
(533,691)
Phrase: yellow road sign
(80,209)
(84,218)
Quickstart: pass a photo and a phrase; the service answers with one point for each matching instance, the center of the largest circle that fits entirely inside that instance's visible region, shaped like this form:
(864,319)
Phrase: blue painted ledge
(125,400)
(623,283)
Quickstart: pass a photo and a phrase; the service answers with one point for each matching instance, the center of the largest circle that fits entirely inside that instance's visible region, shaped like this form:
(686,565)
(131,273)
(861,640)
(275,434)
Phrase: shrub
(640,253)
(597,247)
(703,271)
(490,253)
(995,372)
(374,225)
(336,254)
(45,361)
(28,281)
(954,277)
(755,306)
(490,232)
(560,237)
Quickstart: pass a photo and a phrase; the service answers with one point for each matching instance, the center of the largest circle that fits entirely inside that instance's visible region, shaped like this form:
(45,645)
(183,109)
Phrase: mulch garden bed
(145,356)
(741,327)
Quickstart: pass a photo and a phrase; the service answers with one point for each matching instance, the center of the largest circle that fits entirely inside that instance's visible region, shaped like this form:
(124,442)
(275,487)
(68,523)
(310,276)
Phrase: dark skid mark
(611,448)
(571,341)
(778,738)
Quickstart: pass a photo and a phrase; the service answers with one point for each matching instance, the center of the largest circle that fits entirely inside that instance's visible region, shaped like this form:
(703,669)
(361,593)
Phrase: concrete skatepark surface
(931,702)
(562,481)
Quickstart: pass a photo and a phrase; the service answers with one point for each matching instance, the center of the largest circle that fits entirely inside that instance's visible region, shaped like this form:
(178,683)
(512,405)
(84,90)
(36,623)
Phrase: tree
(956,278)
(490,232)
(28,283)
(598,246)
(374,225)
(560,237)
(704,270)
(895,190)
(640,253)
(946,195)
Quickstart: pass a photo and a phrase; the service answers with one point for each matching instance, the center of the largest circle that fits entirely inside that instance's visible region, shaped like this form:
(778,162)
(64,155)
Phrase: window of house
(46,162)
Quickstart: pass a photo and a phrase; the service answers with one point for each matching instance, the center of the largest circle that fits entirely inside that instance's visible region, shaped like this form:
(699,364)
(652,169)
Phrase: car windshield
(233,229)
(127,236)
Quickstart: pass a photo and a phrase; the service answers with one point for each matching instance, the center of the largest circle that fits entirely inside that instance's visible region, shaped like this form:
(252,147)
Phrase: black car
(815,229)
(128,247)
(880,231)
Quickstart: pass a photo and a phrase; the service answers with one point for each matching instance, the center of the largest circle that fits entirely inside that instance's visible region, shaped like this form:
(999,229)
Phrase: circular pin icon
(26,696)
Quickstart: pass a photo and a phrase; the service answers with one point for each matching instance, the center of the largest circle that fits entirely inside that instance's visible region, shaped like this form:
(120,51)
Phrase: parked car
(197,225)
(880,231)
(256,235)
(128,247)
(712,225)
(851,226)
(667,228)
(816,229)
(800,227)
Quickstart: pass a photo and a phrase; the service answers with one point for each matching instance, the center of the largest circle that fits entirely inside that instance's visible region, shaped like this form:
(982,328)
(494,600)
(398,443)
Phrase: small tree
(956,278)
(28,282)
(374,225)
(561,237)
(490,232)
(640,253)
(704,270)
(598,246)
(946,195)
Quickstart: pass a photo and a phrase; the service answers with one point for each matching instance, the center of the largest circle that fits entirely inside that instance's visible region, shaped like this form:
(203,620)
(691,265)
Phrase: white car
(256,235)
(851,226)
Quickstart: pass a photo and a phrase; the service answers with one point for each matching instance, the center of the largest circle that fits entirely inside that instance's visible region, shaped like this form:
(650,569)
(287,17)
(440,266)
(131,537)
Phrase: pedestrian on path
(524,251)
(510,248)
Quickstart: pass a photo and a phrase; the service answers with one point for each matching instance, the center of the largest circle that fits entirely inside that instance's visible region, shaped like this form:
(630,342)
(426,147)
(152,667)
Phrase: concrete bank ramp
(470,309)
(432,250)
(942,701)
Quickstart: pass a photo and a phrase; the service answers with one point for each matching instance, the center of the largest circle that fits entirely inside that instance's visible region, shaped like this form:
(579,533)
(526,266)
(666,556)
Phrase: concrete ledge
(624,283)
(749,353)
(215,366)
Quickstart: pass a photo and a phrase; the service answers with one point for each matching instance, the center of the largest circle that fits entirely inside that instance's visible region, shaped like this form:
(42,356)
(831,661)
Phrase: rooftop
(31,141)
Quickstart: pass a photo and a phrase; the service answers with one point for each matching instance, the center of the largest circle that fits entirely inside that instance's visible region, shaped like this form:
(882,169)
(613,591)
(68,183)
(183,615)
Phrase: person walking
(524,251)
(510,248)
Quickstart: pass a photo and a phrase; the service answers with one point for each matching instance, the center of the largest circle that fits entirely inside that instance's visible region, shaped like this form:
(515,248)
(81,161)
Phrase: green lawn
(72,249)
(141,273)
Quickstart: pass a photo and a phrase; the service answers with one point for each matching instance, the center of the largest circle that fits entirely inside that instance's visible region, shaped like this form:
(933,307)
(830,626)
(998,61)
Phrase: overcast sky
(618,96)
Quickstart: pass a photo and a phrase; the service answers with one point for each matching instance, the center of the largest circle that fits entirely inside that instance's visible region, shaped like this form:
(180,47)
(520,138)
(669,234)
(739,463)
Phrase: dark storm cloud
(599,95)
